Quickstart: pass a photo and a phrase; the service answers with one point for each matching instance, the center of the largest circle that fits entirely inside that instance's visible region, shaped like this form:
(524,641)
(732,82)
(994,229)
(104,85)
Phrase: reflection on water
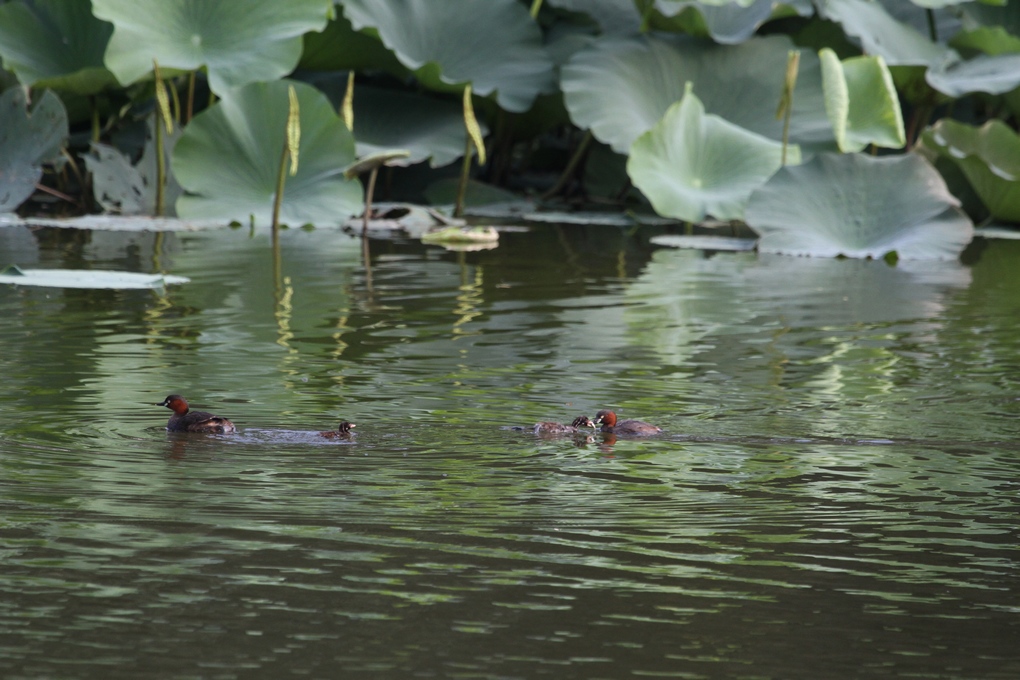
(834,494)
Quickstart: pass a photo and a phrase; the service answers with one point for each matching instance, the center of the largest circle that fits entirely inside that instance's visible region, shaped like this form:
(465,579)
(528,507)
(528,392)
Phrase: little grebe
(634,427)
(342,430)
(184,420)
(559,428)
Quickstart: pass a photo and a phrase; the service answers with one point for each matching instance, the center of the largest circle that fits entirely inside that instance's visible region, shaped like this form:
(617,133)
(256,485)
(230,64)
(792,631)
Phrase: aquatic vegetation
(569,101)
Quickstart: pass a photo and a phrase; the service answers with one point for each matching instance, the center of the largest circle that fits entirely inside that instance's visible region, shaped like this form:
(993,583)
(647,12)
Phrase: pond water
(835,493)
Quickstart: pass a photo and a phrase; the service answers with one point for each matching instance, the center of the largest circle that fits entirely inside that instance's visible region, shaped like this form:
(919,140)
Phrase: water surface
(835,493)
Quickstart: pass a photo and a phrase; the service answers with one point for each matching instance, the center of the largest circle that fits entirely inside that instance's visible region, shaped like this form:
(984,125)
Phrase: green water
(835,494)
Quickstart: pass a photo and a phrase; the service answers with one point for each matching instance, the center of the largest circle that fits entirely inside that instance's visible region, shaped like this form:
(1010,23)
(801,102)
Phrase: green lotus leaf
(989,157)
(338,47)
(986,39)
(728,22)
(996,74)
(494,45)
(130,189)
(28,138)
(55,43)
(862,102)
(228,159)
(859,206)
(881,34)
(614,17)
(239,42)
(691,165)
(620,87)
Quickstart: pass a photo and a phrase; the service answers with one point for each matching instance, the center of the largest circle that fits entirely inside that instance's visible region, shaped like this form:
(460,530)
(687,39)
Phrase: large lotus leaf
(989,157)
(614,17)
(28,138)
(881,34)
(128,189)
(987,39)
(862,103)
(492,44)
(229,156)
(338,47)
(620,87)
(55,43)
(993,74)
(691,165)
(859,206)
(727,22)
(239,42)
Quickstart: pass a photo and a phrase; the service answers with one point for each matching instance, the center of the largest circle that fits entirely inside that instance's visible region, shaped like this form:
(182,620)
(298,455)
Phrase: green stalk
(571,168)
(465,170)
(281,177)
(190,111)
(95,118)
(160,166)
(368,200)
(785,110)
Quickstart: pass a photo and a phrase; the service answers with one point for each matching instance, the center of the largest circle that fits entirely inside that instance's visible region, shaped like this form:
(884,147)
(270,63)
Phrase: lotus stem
(369,192)
(163,117)
(571,168)
(190,111)
(95,118)
(536,5)
(786,100)
(160,166)
(291,144)
(465,170)
(281,178)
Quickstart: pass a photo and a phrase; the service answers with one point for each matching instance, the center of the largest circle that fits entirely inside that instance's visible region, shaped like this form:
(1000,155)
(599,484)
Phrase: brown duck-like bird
(609,423)
(342,430)
(185,420)
(560,428)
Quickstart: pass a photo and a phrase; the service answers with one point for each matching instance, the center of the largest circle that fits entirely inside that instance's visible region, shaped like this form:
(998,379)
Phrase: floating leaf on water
(407,218)
(461,235)
(86,278)
(113,223)
(704,242)
(599,218)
